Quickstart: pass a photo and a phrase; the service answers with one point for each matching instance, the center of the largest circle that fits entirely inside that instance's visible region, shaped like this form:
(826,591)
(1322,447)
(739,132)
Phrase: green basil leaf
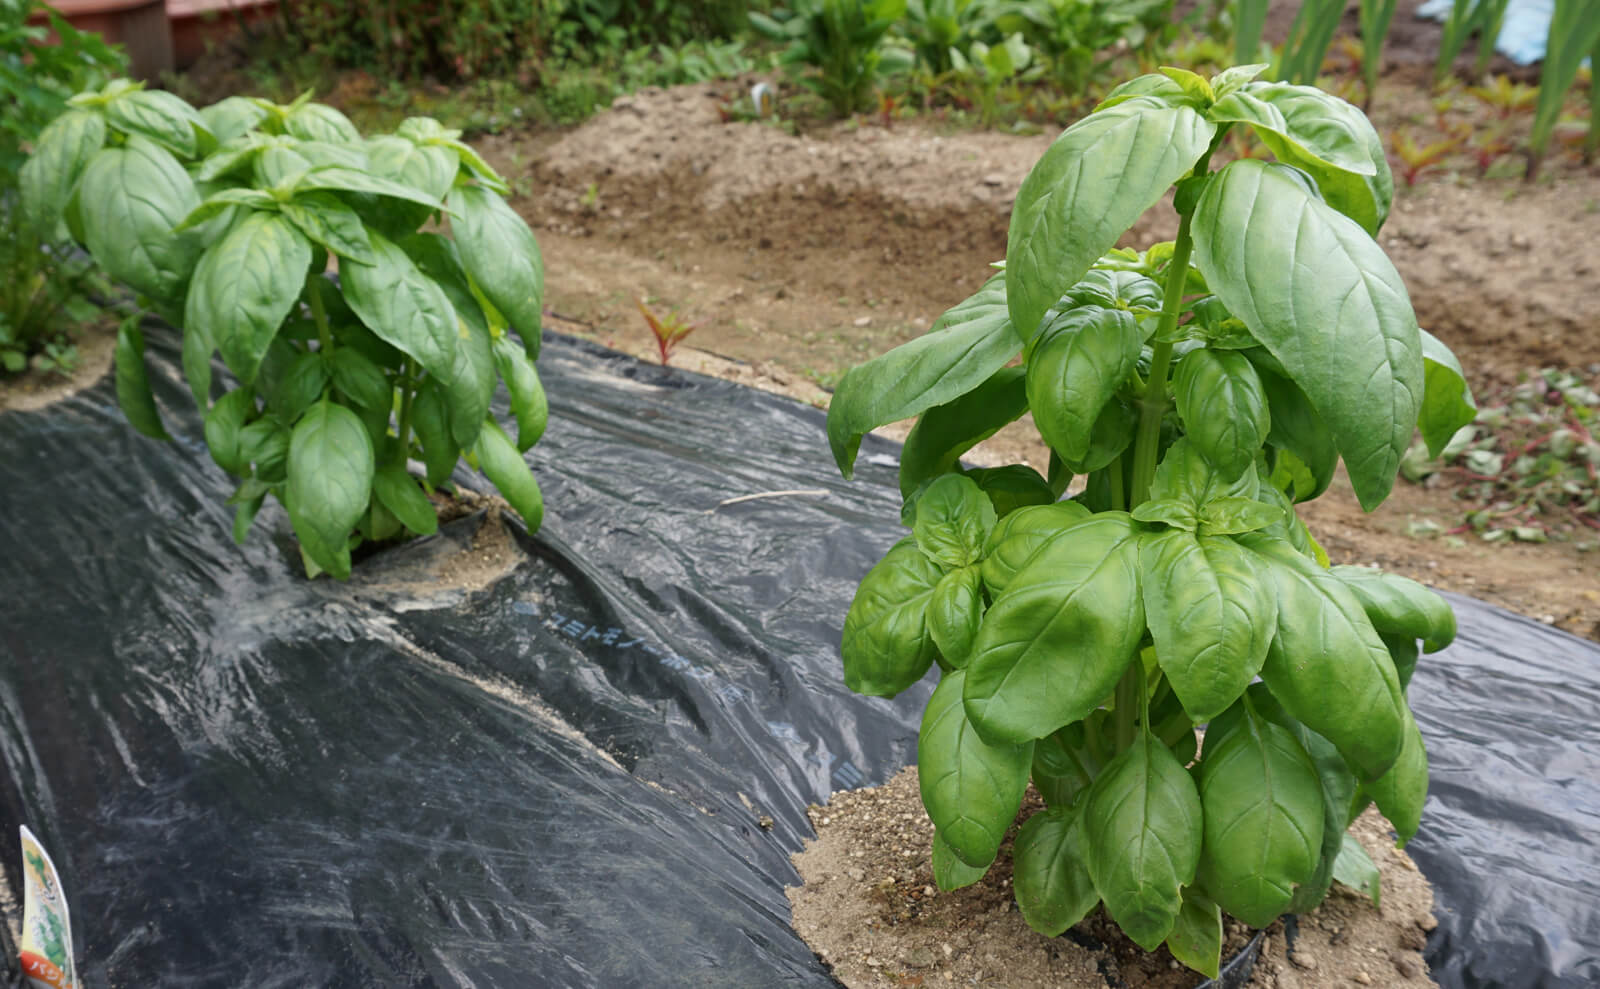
(499,252)
(363,382)
(1076,364)
(1298,431)
(1196,938)
(1263,815)
(300,382)
(1326,664)
(403,306)
(469,388)
(1179,513)
(964,348)
(1055,642)
(887,646)
(949,872)
(954,613)
(953,521)
(1338,794)
(1194,86)
(244,514)
(322,217)
(1447,403)
(476,165)
(1233,516)
(1211,619)
(398,492)
(1053,887)
(1401,792)
(1065,763)
(245,286)
(1229,80)
(1354,868)
(1323,127)
(196,355)
(316,122)
(339,178)
(1223,405)
(1362,369)
(1114,289)
(133,382)
(421,129)
(943,433)
(431,169)
(1398,605)
(265,443)
(222,202)
(280,166)
(1313,123)
(233,156)
(503,465)
(1186,476)
(528,403)
(129,199)
(1142,825)
(60,155)
(971,788)
(1404,652)
(1098,177)
(224,428)
(432,426)
(1151,86)
(1012,487)
(330,483)
(1017,536)
(229,118)
(159,116)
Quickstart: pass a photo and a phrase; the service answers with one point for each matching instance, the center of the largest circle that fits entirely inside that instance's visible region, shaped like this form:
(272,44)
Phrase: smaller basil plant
(226,222)
(1195,391)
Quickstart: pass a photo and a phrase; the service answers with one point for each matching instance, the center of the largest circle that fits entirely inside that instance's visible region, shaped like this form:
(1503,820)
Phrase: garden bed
(593,758)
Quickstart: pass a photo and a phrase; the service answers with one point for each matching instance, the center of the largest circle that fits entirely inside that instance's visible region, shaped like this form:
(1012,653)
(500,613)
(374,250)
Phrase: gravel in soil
(869,907)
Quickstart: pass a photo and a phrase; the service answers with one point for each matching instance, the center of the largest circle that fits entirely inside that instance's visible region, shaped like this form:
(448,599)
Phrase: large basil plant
(1197,390)
(226,221)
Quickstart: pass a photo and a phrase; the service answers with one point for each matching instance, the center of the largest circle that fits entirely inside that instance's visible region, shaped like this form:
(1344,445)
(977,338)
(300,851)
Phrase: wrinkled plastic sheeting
(1510,835)
(562,778)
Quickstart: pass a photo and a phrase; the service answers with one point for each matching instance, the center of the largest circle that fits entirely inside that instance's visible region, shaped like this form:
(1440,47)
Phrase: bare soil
(800,255)
(96,343)
(869,907)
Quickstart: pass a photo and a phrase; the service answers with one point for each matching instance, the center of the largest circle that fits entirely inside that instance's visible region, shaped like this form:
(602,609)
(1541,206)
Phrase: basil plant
(1195,392)
(226,221)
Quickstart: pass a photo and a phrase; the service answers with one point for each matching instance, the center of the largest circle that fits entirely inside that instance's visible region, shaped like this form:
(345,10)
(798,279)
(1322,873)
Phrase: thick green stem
(1153,405)
(1119,497)
(320,314)
(408,391)
(1130,698)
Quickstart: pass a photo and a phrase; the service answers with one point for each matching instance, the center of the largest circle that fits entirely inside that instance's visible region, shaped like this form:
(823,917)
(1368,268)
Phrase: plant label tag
(46,953)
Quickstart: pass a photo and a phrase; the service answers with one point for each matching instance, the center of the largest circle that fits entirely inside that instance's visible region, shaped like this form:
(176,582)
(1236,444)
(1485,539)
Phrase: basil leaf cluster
(1088,622)
(227,220)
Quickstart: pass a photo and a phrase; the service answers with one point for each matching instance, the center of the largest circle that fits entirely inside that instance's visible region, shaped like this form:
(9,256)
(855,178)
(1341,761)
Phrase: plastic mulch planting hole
(587,764)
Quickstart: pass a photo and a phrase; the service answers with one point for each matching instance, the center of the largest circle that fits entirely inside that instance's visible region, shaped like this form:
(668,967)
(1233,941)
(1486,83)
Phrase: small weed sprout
(669,330)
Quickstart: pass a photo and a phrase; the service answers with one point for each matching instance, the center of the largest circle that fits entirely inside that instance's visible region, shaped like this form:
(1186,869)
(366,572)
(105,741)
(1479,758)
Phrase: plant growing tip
(1200,388)
(225,221)
(668,330)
